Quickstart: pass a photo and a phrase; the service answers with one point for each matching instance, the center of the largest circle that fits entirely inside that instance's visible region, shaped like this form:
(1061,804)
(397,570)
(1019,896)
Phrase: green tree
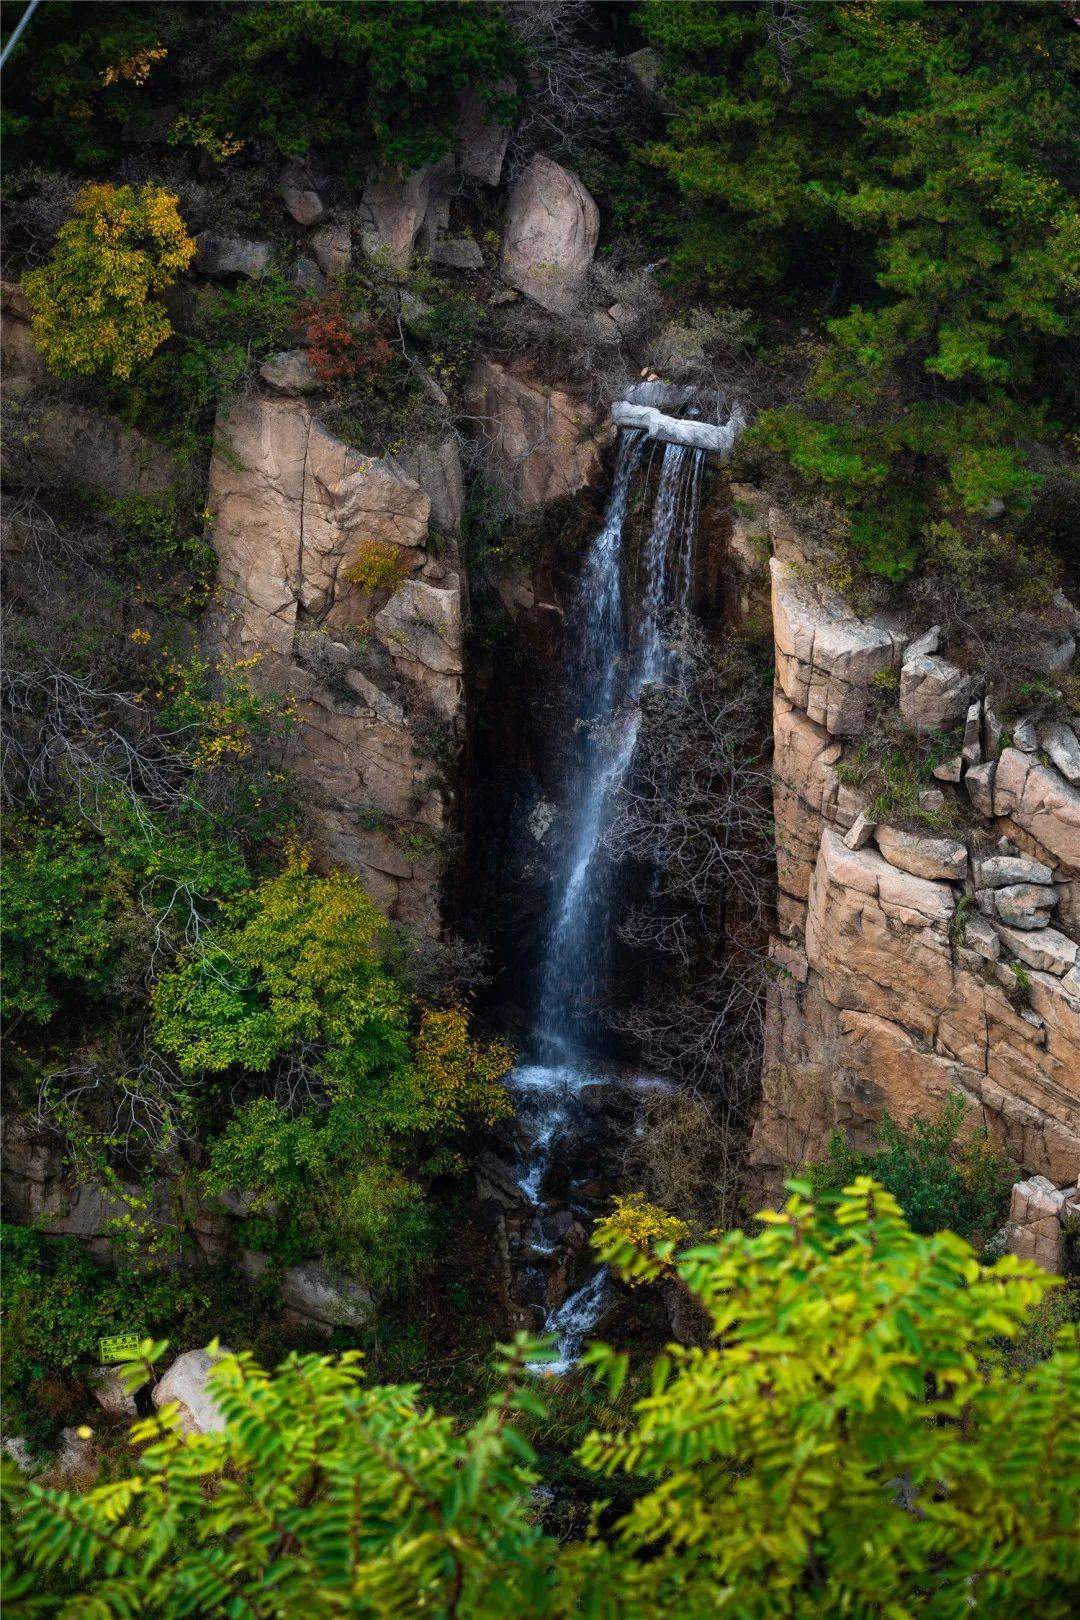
(904,163)
(293,990)
(853,1441)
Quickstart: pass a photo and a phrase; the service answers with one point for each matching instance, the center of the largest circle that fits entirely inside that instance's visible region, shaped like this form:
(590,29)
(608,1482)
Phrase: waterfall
(616,649)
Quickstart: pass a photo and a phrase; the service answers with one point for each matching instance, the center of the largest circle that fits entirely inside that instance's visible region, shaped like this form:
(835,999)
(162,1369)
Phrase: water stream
(616,647)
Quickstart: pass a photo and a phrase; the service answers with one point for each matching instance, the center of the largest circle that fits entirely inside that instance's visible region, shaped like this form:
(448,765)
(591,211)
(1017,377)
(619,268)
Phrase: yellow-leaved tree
(97,301)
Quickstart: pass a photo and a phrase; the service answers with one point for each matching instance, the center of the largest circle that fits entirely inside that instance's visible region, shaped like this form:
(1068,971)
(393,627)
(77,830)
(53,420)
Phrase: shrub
(852,1440)
(377,565)
(938,1180)
(96,301)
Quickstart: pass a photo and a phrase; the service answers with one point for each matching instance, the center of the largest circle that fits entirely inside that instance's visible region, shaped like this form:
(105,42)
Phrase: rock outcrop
(537,441)
(911,964)
(368,671)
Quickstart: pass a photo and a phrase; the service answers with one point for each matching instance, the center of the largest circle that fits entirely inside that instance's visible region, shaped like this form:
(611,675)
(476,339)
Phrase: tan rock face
(903,999)
(825,656)
(292,508)
(537,441)
(552,227)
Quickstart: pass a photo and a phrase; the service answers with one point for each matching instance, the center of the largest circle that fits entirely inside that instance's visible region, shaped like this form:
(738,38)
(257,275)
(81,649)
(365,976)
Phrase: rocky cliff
(374,675)
(935,955)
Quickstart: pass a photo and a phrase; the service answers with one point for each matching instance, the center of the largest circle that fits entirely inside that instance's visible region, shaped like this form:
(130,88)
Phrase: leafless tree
(127,1094)
(695,810)
(575,89)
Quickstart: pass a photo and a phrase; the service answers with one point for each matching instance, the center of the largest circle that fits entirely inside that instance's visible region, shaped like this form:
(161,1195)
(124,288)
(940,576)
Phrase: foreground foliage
(852,1441)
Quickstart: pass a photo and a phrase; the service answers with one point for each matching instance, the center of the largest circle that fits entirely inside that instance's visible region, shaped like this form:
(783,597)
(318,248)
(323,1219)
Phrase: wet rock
(186,1382)
(217,255)
(290,372)
(923,857)
(552,226)
(299,192)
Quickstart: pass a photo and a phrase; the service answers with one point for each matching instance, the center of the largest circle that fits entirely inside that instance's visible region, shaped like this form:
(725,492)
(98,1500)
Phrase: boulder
(1024,905)
(217,256)
(326,1296)
(423,623)
(75,1464)
(1047,949)
(643,67)
(290,372)
(1025,737)
(299,192)
(1059,742)
(332,247)
(998,871)
(394,210)
(457,253)
(112,1394)
(826,656)
(186,1382)
(551,231)
(931,801)
(537,442)
(934,694)
(481,141)
(1052,655)
(922,856)
(971,750)
(860,833)
(979,783)
(950,770)
(307,276)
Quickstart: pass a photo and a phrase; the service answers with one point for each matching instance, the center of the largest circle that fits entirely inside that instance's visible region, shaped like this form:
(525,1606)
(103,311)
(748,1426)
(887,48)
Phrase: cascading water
(617,648)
